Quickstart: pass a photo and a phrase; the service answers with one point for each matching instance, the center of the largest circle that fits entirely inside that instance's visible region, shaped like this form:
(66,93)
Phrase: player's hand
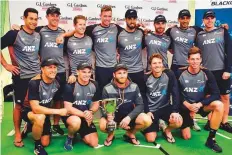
(15,27)
(110,117)
(175,118)
(192,114)
(193,107)
(71,79)
(88,115)
(63,112)
(60,40)
(13,69)
(225,75)
(226,26)
(199,105)
(125,122)
(151,115)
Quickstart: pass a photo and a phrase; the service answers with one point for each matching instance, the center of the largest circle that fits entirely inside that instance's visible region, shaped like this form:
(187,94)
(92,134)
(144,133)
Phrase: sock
(212,133)
(37,142)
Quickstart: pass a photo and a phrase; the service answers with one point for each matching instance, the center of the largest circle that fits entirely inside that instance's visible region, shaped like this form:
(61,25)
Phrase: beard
(121,80)
(130,27)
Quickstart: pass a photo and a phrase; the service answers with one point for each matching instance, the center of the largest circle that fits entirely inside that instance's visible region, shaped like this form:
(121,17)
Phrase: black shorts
(103,76)
(20,87)
(61,78)
(175,68)
(187,120)
(46,125)
(84,128)
(164,114)
(224,85)
(118,118)
(138,78)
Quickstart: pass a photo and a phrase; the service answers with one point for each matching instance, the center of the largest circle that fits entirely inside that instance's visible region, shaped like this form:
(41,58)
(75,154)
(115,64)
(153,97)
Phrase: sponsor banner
(147,10)
(207,4)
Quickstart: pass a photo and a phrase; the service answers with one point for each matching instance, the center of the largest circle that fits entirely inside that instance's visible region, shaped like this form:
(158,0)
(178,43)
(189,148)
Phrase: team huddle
(198,81)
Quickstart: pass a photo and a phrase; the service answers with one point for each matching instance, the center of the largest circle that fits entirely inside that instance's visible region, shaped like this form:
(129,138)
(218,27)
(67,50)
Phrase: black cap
(184,13)
(83,65)
(120,66)
(160,18)
(131,13)
(209,13)
(53,9)
(48,62)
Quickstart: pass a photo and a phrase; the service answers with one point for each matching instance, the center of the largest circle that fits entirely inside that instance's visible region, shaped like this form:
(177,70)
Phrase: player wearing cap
(81,100)
(160,85)
(129,115)
(199,94)
(23,47)
(158,41)
(130,45)
(78,47)
(215,44)
(41,90)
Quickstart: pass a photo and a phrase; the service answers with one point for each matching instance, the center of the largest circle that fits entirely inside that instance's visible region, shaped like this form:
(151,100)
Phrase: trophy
(109,106)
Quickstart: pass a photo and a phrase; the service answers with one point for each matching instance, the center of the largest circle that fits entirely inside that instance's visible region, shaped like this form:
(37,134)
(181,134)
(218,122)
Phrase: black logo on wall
(220,3)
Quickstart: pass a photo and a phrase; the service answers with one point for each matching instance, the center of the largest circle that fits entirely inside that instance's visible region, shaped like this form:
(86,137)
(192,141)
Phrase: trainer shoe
(227,127)
(57,130)
(207,126)
(68,144)
(212,144)
(39,150)
(26,129)
(195,126)
(162,125)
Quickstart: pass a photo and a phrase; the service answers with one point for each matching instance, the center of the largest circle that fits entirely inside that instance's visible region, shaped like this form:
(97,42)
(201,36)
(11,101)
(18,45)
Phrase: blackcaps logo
(220,2)
(76,6)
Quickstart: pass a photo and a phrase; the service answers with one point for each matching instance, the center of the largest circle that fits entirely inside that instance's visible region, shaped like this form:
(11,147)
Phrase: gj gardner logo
(76,6)
(64,20)
(45,5)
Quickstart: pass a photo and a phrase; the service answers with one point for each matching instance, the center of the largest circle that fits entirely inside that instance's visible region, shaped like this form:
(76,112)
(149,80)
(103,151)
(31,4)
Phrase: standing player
(158,41)
(25,62)
(78,47)
(130,114)
(81,100)
(160,85)
(130,44)
(199,94)
(215,45)
(37,110)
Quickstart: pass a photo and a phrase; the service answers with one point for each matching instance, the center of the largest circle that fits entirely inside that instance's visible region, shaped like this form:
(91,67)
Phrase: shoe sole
(213,149)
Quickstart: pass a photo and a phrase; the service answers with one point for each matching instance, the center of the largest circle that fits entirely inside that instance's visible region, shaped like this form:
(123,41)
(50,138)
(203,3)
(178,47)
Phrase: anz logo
(46,101)
(158,43)
(80,102)
(105,40)
(194,89)
(158,93)
(79,51)
(51,44)
(29,48)
(184,40)
(213,40)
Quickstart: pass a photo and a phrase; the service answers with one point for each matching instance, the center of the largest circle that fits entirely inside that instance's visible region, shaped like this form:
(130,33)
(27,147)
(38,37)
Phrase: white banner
(147,10)
(213,4)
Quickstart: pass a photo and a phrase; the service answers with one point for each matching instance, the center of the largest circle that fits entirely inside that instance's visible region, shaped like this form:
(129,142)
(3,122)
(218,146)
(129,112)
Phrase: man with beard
(23,47)
(37,109)
(158,41)
(129,115)
(215,44)
(130,45)
(78,47)
(199,94)
(160,85)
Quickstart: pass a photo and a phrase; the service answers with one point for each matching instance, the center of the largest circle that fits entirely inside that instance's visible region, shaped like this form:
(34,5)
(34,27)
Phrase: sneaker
(68,144)
(26,129)
(162,125)
(39,150)
(227,127)
(57,130)
(212,144)
(207,126)
(195,126)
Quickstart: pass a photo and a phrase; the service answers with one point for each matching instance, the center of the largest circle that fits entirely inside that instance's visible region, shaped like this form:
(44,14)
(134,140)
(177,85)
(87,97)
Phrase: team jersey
(195,87)
(81,96)
(41,91)
(130,45)
(25,51)
(49,48)
(158,44)
(104,43)
(216,51)
(79,50)
(182,41)
(132,102)
(159,90)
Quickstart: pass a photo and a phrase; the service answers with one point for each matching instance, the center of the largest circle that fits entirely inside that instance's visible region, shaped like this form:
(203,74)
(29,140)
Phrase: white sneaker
(162,125)
(195,126)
